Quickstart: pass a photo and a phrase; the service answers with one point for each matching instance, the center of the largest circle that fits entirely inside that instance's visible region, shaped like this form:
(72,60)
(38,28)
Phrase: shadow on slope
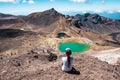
(12,33)
(14,38)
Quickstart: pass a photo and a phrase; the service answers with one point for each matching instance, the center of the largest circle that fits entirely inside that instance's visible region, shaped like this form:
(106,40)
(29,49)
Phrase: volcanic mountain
(98,25)
(5,15)
(103,31)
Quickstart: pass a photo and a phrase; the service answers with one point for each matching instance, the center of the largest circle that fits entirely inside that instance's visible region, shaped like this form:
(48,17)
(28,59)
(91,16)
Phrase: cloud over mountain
(52,0)
(84,1)
(79,1)
(31,1)
(15,1)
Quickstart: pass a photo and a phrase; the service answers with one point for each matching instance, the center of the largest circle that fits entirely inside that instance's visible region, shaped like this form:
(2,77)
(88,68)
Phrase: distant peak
(52,9)
(87,14)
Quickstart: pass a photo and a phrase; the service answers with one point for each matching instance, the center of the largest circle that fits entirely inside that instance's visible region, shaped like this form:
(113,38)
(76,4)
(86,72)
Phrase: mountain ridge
(52,22)
(112,15)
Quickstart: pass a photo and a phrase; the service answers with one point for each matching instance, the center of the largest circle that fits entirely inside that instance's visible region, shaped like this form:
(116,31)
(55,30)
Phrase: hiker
(67,61)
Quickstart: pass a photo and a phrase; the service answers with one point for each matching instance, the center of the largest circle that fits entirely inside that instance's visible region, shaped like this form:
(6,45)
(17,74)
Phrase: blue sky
(23,7)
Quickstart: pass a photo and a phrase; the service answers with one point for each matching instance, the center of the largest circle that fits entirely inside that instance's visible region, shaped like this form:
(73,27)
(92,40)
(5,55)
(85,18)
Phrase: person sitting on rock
(67,61)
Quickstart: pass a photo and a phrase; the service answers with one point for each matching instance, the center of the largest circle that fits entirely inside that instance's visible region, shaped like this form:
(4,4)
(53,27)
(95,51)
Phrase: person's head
(68,53)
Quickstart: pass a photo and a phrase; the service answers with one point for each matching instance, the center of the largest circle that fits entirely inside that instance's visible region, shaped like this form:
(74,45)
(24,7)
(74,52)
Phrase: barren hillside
(35,66)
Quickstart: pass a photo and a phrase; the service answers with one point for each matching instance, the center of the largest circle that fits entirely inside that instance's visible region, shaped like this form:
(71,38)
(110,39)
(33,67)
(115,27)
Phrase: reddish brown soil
(34,66)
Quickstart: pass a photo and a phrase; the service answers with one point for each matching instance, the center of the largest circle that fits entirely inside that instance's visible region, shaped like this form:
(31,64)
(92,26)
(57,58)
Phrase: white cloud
(111,11)
(84,12)
(13,1)
(31,1)
(80,1)
(103,1)
(84,1)
(52,0)
(24,1)
(118,10)
(98,11)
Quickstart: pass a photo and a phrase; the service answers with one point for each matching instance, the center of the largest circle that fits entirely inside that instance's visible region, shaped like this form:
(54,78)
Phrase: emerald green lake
(74,46)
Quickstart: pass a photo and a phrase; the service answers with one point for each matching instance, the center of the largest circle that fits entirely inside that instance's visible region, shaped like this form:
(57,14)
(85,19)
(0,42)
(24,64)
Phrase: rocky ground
(26,58)
(34,65)
(111,56)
